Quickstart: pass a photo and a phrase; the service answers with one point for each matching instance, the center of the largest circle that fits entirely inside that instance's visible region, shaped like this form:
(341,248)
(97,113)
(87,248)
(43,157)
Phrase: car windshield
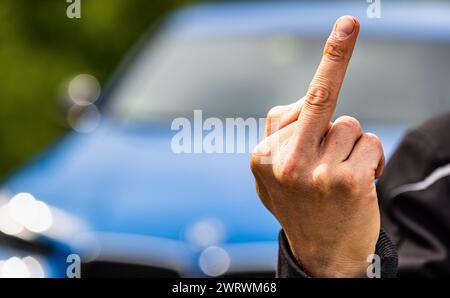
(388,80)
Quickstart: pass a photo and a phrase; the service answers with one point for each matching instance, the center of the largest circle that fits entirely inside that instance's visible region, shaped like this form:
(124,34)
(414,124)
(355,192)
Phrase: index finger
(321,99)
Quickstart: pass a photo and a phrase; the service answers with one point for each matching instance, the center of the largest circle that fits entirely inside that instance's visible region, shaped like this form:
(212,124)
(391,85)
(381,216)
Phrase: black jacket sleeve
(288,267)
(414,196)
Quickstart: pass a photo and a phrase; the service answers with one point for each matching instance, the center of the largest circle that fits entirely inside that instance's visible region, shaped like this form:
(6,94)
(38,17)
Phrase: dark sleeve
(288,267)
(414,197)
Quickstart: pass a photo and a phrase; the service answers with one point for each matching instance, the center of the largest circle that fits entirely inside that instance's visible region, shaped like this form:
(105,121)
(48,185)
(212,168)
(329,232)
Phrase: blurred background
(88,172)
(42,48)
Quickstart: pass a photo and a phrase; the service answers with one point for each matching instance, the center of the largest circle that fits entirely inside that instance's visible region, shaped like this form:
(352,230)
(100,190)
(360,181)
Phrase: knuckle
(277,111)
(335,50)
(273,112)
(273,118)
(373,140)
(287,174)
(348,122)
(318,95)
(321,176)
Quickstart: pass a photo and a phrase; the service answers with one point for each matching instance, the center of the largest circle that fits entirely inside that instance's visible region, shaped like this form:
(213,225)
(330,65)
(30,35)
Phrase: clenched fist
(319,181)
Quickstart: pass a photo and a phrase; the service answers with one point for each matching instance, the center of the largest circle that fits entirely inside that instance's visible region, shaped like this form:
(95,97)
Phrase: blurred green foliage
(41,48)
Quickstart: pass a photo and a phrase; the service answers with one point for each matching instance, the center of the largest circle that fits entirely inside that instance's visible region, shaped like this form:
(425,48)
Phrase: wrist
(329,264)
(322,268)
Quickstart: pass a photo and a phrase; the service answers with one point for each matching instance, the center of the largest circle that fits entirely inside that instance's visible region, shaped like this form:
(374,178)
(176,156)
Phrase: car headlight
(23,214)
(27,267)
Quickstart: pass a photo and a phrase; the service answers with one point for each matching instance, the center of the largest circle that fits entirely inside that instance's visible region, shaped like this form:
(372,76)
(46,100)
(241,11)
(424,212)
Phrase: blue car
(121,202)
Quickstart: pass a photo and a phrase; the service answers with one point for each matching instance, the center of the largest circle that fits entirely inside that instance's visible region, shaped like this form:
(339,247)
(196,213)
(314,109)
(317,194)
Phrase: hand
(320,181)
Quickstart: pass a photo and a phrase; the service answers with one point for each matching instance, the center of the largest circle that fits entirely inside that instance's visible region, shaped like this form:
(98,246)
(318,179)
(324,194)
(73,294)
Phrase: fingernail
(344,26)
